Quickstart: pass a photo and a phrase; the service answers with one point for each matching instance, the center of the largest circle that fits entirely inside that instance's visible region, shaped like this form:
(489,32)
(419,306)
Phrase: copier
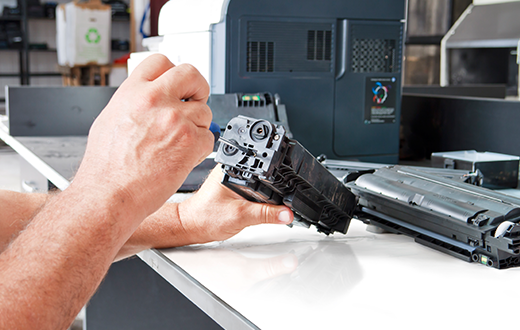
(336,64)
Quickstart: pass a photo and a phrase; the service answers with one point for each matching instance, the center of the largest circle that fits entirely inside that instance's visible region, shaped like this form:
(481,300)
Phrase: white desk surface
(275,277)
(358,281)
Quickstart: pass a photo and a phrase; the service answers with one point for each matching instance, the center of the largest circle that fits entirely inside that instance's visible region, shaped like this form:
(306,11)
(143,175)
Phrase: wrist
(113,204)
(161,230)
(186,232)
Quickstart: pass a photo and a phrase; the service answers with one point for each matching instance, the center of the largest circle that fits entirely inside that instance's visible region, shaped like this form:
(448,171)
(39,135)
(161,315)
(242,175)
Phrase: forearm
(160,230)
(163,229)
(66,251)
(16,211)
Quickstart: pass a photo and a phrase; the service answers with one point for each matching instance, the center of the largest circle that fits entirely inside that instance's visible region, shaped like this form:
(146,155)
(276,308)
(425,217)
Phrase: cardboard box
(499,170)
(83,33)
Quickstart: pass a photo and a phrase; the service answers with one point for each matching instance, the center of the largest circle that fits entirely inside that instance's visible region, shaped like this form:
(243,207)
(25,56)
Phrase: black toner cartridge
(469,222)
(443,211)
(262,164)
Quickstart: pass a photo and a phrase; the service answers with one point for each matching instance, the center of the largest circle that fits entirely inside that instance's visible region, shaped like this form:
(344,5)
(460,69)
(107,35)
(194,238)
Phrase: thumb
(268,213)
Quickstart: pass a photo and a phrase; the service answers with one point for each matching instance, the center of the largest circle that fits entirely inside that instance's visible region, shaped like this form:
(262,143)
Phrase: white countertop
(359,281)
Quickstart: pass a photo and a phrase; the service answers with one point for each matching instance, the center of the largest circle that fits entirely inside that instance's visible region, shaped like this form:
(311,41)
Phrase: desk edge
(226,316)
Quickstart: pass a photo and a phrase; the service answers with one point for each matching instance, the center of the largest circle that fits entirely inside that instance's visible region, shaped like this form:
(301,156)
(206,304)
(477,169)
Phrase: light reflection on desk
(309,270)
(359,280)
(327,270)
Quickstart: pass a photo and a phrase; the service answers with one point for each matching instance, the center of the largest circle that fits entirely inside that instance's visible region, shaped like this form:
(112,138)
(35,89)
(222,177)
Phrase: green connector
(483,260)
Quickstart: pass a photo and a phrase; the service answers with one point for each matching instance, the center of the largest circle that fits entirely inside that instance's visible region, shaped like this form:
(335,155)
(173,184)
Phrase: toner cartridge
(262,164)
(446,211)
(469,222)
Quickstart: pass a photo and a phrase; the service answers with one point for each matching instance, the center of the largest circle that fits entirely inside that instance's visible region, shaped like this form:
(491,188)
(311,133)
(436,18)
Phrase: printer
(336,64)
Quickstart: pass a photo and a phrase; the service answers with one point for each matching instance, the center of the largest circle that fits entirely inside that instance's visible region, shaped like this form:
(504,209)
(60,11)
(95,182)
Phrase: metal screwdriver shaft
(249,152)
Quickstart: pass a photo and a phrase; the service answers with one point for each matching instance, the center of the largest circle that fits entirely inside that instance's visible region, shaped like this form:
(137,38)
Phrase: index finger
(152,67)
(185,83)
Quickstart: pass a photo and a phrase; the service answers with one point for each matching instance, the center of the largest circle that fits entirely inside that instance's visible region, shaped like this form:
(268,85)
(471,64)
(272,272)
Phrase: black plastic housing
(274,169)
(471,223)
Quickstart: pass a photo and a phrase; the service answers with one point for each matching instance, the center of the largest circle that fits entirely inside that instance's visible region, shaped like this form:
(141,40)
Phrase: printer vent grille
(260,56)
(319,45)
(374,55)
(282,47)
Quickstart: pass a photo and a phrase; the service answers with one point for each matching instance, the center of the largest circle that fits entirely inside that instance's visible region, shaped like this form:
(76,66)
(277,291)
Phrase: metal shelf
(120,19)
(45,74)
(11,18)
(11,49)
(41,18)
(46,50)
(423,40)
(5,75)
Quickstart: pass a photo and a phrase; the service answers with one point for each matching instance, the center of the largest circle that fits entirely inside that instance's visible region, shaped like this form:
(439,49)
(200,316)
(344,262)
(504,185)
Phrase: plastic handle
(215,129)
(343,55)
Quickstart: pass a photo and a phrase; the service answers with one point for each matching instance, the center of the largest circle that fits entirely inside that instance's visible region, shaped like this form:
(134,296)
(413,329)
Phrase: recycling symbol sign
(93,36)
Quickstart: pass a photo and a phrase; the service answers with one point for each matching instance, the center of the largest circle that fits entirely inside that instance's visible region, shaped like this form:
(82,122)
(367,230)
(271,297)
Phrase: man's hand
(216,213)
(150,136)
(140,149)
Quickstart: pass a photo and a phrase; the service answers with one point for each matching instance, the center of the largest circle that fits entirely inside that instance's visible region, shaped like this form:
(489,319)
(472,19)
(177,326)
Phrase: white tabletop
(295,278)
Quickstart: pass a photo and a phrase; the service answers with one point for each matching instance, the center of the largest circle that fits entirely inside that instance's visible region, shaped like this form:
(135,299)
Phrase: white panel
(218,59)
(135,59)
(177,16)
(192,48)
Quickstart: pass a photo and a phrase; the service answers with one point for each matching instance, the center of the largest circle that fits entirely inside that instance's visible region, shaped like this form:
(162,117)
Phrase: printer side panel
(304,53)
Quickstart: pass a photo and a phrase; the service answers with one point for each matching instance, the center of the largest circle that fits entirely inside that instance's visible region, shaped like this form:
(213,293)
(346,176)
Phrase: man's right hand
(139,151)
(150,136)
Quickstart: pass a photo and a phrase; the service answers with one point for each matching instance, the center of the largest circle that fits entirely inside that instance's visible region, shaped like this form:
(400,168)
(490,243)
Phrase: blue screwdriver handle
(215,129)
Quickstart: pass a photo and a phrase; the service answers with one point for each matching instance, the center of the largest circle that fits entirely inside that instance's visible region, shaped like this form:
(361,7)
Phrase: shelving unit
(24,73)
(33,66)
(428,22)
(21,20)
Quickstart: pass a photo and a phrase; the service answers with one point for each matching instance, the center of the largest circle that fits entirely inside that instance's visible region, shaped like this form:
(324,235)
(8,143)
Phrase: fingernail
(284,217)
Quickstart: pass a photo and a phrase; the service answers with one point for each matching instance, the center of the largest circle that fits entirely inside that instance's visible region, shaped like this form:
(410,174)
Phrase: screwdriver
(248,152)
